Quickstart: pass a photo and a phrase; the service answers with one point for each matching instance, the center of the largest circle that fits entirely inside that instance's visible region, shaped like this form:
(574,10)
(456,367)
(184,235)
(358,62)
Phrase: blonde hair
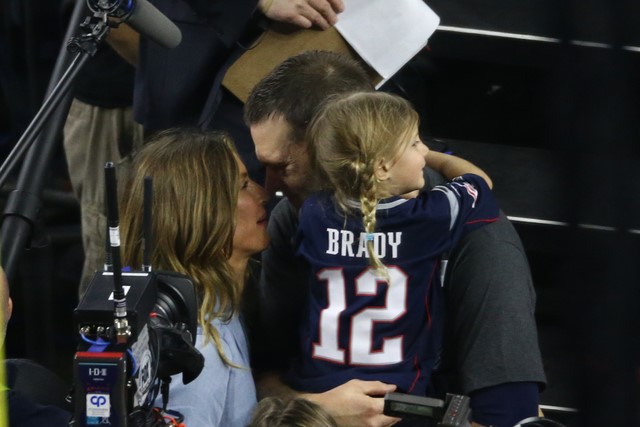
(275,412)
(195,194)
(349,138)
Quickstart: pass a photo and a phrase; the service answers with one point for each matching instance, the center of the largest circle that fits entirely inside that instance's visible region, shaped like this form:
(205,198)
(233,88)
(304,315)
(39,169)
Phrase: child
(374,242)
(275,412)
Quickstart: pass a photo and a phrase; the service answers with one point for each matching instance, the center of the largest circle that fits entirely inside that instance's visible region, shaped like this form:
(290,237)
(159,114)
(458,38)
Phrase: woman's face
(251,217)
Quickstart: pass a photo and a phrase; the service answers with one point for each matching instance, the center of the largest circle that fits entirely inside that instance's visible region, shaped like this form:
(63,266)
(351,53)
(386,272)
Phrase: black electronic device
(113,381)
(94,314)
(454,411)
(96,377)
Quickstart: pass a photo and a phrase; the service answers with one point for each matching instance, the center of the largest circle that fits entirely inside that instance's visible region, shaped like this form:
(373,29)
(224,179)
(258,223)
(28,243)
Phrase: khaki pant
(92,137)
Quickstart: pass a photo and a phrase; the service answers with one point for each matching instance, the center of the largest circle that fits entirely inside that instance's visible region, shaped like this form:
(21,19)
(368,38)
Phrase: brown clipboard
(277,44)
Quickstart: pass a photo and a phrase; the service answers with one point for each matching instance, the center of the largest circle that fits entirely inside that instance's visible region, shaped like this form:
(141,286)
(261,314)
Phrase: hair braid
(349,137)
(368,204)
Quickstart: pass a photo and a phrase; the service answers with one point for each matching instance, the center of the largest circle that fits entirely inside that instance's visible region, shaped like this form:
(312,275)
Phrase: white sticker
(114,236)
(98,405)
(125,288)
(146,368)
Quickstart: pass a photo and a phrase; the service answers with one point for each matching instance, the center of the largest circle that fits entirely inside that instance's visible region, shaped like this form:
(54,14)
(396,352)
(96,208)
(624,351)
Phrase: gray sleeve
(282,292)
(491,335)
(432,178)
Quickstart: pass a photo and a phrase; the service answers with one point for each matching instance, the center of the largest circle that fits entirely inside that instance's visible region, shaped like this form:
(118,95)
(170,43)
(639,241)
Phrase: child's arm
(451,166)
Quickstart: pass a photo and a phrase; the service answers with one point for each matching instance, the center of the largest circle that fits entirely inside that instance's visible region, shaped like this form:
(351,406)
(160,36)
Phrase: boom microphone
(143,17)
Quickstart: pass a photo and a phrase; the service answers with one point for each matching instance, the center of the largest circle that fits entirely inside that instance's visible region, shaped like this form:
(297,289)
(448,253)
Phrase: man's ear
(382,170)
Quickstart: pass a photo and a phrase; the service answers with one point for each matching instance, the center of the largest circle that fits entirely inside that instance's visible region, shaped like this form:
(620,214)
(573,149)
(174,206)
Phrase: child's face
(405,174)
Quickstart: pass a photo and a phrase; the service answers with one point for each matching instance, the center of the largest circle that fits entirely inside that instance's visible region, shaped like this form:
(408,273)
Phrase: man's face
(286,161)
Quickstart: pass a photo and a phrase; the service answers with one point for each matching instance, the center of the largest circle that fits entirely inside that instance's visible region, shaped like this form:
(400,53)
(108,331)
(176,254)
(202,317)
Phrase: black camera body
(116,383)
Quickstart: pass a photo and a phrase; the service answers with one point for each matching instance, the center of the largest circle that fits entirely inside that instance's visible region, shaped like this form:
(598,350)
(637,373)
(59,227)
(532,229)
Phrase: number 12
(362,323)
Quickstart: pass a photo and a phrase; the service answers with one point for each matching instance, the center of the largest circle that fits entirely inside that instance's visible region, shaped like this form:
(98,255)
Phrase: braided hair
(350,137)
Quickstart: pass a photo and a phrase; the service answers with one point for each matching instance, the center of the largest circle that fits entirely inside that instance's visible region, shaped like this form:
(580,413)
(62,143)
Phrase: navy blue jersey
(362,325)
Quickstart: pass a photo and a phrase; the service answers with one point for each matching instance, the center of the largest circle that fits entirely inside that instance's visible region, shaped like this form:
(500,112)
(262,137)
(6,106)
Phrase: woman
(209,219)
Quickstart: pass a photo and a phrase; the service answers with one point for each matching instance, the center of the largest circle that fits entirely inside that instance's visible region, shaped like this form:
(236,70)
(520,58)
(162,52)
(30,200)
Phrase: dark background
(553,120)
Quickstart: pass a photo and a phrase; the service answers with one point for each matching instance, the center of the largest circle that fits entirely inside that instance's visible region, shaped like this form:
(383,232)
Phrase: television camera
(136,329)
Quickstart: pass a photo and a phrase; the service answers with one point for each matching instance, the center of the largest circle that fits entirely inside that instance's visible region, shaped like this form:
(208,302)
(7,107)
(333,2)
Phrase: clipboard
(277,44)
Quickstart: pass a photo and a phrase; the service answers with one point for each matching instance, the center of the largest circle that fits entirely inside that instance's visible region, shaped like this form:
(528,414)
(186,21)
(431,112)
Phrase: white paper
(387,33)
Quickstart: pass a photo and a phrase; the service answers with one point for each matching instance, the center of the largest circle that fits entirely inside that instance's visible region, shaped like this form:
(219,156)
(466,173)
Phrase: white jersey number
(362,323)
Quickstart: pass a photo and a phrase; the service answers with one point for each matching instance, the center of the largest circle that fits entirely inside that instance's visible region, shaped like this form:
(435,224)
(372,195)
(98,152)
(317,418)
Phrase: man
(491,338)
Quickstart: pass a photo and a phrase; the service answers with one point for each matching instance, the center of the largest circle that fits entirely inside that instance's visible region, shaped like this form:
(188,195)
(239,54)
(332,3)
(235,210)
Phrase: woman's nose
(260,192)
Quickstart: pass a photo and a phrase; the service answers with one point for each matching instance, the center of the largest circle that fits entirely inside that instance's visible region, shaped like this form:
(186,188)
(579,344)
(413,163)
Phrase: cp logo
(98,401)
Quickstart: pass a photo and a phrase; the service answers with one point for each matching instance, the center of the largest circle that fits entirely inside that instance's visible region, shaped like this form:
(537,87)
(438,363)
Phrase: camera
(136,329)
(116,383)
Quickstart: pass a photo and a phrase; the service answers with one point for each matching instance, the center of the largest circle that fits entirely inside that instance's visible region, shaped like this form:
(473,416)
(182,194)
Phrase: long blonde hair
(195,196)
(298,412)
(349,138)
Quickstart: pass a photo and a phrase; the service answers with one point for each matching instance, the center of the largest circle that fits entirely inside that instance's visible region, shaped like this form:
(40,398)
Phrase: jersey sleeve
(471,203)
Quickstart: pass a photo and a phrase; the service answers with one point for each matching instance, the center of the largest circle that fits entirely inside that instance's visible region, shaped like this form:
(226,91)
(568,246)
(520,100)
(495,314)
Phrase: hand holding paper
(387,34)
(383,34)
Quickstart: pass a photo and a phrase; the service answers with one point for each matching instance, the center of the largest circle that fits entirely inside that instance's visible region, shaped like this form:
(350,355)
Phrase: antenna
(123,330)
(147,224)
(108,261)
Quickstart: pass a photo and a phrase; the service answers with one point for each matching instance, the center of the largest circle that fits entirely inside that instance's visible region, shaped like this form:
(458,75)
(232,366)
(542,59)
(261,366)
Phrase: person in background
(99,128)
(209,220)
(490,350)
(177,88)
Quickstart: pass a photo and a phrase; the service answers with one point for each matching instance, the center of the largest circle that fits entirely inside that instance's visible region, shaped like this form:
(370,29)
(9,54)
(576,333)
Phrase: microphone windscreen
(151,23)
